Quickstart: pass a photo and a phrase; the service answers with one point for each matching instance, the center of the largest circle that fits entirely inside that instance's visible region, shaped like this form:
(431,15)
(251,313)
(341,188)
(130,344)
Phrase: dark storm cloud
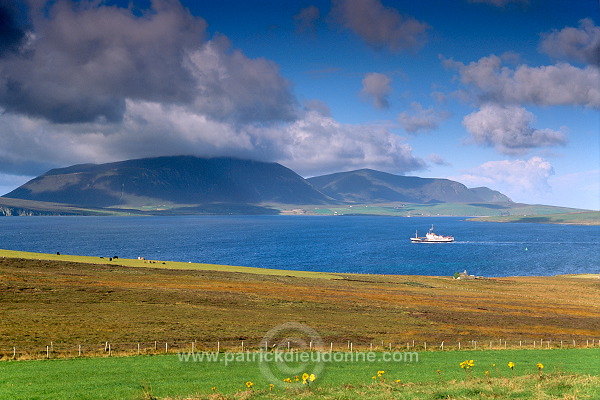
(82,61)
(165,89)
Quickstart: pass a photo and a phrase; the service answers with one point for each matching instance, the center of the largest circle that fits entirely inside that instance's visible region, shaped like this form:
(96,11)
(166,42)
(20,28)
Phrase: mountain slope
(175,180)
(369,186)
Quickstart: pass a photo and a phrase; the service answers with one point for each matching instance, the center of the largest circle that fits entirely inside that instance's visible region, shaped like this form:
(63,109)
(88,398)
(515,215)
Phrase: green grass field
(572,372)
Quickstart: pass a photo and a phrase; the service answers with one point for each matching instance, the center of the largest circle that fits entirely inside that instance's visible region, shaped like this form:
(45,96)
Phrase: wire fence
(55,350)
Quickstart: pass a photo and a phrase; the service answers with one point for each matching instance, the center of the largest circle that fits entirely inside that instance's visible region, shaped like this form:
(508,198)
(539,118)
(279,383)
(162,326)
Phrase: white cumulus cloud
(549,85)
(509,129)
(521,180)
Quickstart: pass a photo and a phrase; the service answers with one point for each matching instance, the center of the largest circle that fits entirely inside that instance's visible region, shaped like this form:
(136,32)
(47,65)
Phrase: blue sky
(497,93)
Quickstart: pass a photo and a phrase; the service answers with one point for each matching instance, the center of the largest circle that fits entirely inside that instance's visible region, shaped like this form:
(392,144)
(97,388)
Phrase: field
(86,313)
(572,218)
(75,303)
(568,374)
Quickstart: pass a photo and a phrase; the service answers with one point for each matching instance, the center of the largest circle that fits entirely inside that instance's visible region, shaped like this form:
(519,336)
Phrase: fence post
(79,351)
(15,352)
(166,347)
(218,346)
(138,349)
(47,351)
(425,346)
(459,345)
(331,347)
(442,345)
(194,343)
(109,350)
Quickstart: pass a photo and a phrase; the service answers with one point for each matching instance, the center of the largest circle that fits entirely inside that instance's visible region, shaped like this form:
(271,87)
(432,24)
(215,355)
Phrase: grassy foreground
(567,374)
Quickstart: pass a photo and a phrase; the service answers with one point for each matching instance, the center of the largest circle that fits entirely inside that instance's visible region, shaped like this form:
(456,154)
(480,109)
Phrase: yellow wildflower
(539,366)
(380,373)
(304,376)
(214,388)
(312,377)
(296,378)
(271,386)
(511,365)
(249,384)
(288,380)
(398,381)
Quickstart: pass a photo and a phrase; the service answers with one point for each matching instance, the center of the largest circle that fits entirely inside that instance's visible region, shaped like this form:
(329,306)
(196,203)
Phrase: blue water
(375,245)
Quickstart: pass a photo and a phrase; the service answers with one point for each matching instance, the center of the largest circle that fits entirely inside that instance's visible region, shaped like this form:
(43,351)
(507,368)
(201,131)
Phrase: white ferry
(431,237)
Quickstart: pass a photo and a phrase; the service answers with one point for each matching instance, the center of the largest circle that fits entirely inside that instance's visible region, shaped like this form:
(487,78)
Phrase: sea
(347,244)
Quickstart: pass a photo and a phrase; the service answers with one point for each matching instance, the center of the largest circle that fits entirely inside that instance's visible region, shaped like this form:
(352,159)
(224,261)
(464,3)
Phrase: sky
(496,93)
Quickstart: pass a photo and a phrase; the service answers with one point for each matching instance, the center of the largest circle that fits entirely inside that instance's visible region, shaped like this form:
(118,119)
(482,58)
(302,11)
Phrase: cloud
(379,26)
(318,144)
(437,159)
(312,144)
(560,84)
(84,61)
(521,180)
(509,130)
(420,119)
(377,87)
(306,19)
(95,83)
(580,44)
(230,86)
(318,106)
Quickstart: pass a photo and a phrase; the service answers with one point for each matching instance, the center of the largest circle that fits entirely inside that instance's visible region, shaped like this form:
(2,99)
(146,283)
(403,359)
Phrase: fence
(110,349)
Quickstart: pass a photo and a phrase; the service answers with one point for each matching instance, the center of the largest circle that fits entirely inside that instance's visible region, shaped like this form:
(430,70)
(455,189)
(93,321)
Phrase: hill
(366,186)
(171,181)
(192,185)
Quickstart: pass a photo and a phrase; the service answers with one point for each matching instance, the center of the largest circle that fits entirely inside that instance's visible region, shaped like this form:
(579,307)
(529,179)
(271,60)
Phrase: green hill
(368,186)
(170,182)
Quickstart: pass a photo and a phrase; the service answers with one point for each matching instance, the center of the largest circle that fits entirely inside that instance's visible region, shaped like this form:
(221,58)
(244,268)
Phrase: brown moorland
(69,303)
